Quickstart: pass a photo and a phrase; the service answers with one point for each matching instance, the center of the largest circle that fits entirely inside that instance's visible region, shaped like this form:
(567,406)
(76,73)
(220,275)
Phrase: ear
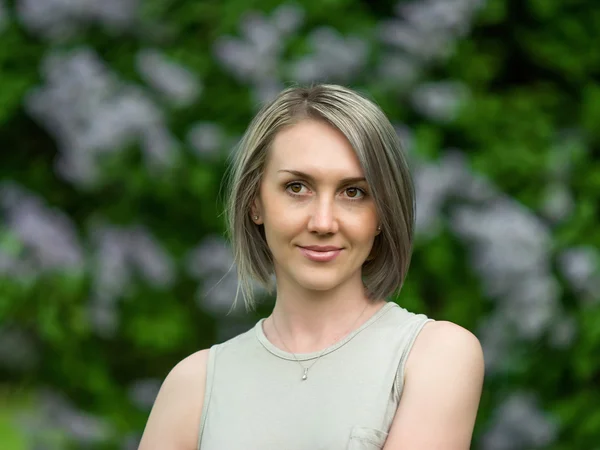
(256,212)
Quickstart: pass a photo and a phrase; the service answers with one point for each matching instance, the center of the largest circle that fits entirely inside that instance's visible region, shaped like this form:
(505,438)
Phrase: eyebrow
(311,178)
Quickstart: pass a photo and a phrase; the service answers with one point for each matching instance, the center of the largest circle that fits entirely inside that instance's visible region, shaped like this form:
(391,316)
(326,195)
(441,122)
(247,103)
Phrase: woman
(322,198)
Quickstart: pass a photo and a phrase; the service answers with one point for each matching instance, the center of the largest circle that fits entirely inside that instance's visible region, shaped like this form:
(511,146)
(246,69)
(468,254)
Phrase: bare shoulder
(190,367)
(442,390)
(174,421)
(445,340)
(448,348)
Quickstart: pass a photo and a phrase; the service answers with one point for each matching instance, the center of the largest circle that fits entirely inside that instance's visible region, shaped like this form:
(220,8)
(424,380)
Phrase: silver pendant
(305,374)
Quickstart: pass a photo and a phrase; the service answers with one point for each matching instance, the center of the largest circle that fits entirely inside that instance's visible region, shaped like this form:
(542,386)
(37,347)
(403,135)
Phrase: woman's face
(319,217)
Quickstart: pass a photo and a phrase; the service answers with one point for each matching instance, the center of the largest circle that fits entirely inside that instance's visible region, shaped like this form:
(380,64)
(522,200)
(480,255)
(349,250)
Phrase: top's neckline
(262,338)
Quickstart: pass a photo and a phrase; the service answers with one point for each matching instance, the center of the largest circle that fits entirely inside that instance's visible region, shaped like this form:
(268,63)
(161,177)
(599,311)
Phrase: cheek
(362,224)
(281,213)
(365,240)
(281,223)
(275,210)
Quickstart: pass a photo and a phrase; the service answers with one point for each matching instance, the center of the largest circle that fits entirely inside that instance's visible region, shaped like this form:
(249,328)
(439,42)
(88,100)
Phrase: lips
(320,253)
(321,248)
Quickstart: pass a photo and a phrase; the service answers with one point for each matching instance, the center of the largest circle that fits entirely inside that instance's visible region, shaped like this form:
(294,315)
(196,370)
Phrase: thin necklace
(305,369)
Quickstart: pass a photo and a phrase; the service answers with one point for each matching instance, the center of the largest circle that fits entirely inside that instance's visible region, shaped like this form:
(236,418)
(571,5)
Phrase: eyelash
(293,194)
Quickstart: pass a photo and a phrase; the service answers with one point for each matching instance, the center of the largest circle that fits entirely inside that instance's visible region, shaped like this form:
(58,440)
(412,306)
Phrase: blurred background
(116,121)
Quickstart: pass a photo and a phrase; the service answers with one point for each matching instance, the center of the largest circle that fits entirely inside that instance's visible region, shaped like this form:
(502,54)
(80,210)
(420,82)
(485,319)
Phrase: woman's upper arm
(174,421)
(440,399)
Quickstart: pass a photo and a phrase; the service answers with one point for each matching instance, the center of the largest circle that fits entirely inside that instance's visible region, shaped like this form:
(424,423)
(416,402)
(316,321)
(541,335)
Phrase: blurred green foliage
(533,105)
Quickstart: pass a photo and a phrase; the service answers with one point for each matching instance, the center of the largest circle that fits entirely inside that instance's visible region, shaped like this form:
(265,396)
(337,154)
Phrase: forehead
(315,147)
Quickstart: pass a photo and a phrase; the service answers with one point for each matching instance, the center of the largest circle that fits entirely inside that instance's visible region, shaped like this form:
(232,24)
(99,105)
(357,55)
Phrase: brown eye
(295,188)
(354,192)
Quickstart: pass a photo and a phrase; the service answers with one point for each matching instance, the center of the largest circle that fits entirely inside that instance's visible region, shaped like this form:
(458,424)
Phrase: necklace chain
(305,369)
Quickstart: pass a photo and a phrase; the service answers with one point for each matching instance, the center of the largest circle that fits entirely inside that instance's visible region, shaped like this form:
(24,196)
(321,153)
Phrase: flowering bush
(116,122)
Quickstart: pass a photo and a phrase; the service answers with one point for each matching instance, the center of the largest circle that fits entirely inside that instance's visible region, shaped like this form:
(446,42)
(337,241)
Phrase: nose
(323,219)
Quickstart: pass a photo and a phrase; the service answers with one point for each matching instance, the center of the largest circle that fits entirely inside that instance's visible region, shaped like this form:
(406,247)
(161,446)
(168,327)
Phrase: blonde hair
(380,153)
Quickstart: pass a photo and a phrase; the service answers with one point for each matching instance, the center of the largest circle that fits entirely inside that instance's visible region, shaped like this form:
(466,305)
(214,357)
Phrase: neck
(305,322)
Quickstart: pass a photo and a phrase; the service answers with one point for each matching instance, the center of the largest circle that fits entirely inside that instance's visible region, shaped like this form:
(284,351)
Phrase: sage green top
(255,398)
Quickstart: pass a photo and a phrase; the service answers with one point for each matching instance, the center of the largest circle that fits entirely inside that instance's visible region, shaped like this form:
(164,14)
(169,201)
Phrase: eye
(295,188)
(355,193)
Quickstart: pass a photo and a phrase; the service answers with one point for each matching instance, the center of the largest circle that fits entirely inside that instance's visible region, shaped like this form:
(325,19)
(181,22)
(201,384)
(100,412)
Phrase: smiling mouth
(320,255)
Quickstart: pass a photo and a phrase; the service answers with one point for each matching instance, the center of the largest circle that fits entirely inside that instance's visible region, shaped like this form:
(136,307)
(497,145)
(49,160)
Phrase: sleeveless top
(255,398)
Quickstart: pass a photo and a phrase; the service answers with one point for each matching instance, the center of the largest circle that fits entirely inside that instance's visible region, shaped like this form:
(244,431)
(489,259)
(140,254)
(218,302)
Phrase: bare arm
(439,403)
(175,417)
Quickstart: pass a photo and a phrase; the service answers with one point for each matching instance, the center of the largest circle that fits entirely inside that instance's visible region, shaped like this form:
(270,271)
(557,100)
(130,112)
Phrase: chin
(322,283)
(319,287)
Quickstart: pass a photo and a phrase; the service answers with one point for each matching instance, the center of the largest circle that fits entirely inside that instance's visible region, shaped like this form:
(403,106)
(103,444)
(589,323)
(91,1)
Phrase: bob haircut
(381,156)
